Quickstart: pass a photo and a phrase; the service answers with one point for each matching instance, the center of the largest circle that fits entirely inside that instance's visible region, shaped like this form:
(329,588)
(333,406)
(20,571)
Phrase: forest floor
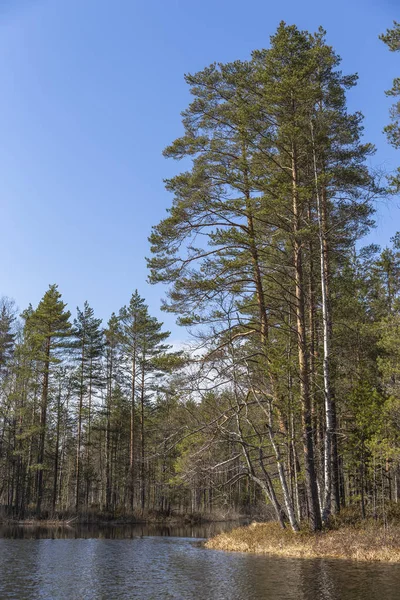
(366,540)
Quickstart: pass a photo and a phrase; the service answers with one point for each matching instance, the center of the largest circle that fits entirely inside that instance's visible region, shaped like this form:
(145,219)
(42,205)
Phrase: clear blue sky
(91,92)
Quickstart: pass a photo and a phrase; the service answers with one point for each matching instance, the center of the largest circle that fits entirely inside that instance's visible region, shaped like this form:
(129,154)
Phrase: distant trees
(68,391)
(392,39)
(141,344)
(89,351)
(47,329)
(7,332)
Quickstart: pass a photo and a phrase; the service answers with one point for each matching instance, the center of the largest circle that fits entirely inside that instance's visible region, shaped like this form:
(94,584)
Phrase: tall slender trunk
(132,432)
(108,431)
(331,475)
(142,441)
(312,329)
(78,442)
(282,478)
(89,434)
(336,495)
(20,503)
(61,483)
(264,338)
(28,490)
(56,456)
(308,442)
(43,420)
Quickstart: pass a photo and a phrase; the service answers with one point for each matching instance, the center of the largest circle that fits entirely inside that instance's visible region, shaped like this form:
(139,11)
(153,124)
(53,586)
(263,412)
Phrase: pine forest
(285,402)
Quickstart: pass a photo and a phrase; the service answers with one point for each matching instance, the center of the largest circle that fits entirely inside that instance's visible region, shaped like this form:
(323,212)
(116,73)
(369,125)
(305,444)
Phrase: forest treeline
(289,394)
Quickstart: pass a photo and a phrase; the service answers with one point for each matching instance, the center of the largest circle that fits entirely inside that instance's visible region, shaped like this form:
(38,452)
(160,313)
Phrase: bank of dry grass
(367,541)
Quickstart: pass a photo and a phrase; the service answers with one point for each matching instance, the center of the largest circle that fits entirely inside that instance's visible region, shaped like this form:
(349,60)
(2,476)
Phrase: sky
(91,93)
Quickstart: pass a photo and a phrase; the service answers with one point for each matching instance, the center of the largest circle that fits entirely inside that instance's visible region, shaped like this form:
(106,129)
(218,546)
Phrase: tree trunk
(132,433)
(78,442)
(56,456)
(142,451)
(308,442)
(43,419)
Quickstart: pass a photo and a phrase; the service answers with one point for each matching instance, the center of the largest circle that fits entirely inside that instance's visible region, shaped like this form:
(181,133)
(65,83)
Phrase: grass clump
(365,541)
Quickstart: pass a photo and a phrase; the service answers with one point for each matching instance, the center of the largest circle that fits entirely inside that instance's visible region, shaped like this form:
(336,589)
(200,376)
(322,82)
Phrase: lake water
(147,563)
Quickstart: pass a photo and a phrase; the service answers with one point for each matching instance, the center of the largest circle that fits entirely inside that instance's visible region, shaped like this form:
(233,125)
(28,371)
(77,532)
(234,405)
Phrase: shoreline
(367,542)
(185,520)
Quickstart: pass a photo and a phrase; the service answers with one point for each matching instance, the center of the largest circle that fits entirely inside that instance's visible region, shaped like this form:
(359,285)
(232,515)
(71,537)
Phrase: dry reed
(368,541)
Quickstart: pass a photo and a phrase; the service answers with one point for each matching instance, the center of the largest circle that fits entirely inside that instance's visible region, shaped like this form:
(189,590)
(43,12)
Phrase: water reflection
(115,532)
(168,567)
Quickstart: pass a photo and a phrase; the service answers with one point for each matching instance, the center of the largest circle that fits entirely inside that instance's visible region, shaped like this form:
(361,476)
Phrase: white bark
(327,495)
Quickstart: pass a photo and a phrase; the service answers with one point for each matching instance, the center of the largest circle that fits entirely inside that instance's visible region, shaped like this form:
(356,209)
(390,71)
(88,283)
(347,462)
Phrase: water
(147,563)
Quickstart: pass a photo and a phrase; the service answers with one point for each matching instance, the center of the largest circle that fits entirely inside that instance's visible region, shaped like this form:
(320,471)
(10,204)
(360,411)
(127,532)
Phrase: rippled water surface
(135,563)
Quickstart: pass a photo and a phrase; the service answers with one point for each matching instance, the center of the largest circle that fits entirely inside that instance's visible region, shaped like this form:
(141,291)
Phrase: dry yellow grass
(366,542)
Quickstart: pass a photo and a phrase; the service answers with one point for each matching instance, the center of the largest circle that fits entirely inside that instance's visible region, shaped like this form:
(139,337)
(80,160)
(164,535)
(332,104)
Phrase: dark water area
(115,532)
(145,563)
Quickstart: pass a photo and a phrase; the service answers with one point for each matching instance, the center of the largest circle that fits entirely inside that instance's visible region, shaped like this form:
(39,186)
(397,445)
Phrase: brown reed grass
(365,541)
